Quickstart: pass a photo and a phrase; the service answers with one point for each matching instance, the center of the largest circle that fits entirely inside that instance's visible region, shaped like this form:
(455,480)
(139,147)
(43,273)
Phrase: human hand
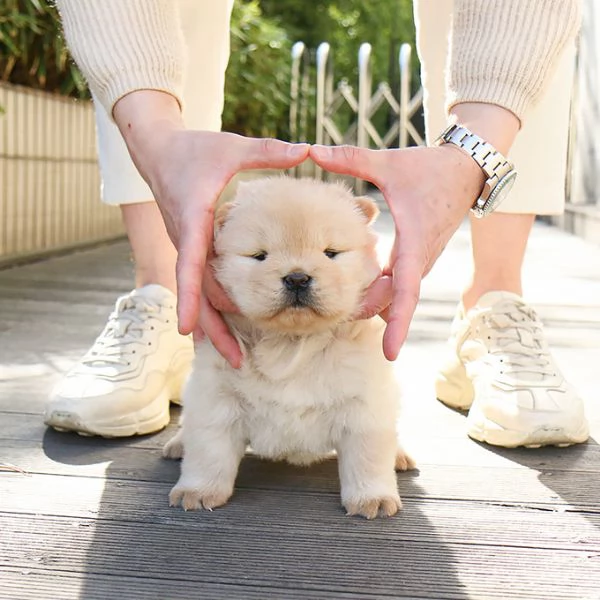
(187,171)
(429,191)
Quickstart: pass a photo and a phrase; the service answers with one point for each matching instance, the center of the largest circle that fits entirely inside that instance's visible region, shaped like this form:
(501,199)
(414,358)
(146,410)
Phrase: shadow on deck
(89,518)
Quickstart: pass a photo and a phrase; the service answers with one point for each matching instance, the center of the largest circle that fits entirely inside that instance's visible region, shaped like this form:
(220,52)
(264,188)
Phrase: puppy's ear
(367,207)
(221,214)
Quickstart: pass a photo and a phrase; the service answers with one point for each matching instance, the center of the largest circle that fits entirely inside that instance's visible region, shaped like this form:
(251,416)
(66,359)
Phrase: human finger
(407,272)
(267,153)
(198,334)
(191,262)
(349,160)
(216,295)
(212,324)
(377,298)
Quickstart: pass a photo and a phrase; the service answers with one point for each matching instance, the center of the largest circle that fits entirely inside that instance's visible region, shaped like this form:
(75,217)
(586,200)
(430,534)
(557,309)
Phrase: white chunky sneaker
(500,368)
(137,365)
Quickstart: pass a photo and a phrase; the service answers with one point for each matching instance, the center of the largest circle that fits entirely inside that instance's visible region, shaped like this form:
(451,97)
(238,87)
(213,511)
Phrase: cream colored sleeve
(505,51)
(125,45)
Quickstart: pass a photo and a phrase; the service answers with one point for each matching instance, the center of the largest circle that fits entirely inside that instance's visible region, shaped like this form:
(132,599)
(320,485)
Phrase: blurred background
(33,52)
(49,183)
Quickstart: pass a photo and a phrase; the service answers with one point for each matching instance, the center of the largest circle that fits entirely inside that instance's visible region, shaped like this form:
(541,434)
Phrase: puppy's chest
(300,414)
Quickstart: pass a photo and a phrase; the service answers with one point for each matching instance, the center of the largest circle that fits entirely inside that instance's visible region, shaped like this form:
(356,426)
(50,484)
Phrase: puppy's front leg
(214,446)
(368,482)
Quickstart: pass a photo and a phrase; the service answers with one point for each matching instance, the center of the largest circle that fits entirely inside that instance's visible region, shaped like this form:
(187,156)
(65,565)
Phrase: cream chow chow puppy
(296,257)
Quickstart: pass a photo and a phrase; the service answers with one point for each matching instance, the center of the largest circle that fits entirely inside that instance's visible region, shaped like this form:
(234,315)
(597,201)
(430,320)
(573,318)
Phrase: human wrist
(146,119)
(471,174)
(495,124)
(485,132)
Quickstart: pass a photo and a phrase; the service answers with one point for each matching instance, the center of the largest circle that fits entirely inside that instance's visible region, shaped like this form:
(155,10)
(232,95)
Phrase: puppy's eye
(329,253)
(260,255)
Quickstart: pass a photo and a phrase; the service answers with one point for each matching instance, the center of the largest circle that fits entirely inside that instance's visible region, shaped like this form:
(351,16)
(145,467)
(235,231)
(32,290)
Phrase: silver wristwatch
(500,173)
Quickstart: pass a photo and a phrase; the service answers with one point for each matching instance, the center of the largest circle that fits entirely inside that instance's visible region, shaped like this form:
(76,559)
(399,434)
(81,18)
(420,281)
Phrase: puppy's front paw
(198,498)
(174,447)
(370,508)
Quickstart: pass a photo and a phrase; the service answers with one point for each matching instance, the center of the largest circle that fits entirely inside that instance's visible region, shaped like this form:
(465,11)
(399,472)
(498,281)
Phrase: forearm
(495,124)
(146,118)
(125,45)
(505,51)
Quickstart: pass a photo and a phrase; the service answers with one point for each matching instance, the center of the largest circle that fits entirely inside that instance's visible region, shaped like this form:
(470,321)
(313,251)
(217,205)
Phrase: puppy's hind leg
(367,473)
(404,462)
(174,447)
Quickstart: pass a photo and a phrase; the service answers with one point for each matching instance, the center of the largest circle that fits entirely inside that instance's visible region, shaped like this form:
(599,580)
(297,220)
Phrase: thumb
(347,160)
(377,298)
(270,154)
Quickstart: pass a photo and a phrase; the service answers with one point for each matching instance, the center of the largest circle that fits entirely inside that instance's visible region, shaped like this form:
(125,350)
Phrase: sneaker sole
(484,430)
(454,389)
(136,423)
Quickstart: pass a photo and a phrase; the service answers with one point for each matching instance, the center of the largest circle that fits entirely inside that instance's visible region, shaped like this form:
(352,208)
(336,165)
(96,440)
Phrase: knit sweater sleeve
(125,45)
(505,52)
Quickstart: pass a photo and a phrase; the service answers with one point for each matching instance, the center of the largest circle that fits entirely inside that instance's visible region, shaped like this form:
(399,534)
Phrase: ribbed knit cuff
(125,45)
(504,52)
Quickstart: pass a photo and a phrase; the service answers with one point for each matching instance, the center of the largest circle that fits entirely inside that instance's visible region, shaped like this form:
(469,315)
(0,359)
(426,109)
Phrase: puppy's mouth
(300,299)
(298,292)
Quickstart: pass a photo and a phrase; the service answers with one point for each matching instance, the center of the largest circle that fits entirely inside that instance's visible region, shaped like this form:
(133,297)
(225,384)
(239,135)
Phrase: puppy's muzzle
(298,288)
(297,281)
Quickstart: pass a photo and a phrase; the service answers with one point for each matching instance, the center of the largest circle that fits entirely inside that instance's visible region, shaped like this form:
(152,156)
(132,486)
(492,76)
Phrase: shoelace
(124,331)
(515,332)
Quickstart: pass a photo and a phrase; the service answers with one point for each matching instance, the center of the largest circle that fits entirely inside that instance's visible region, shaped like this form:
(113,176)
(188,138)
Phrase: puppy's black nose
(296,281)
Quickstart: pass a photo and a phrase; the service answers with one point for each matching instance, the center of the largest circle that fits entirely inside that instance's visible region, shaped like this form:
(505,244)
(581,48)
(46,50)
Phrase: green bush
(33,51)
(346,24)
(258,75)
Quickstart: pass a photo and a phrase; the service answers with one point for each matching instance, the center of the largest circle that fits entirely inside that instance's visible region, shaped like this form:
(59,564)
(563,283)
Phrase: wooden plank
(60,309)
(92,521)
(115,459)
(440,450)
(25,394)
(33,584)
(250,508)
(318,560)
(105,261)
(83,290)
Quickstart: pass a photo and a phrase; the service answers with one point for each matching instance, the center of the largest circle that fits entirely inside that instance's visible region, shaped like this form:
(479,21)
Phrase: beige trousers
(205,25)
(539,152)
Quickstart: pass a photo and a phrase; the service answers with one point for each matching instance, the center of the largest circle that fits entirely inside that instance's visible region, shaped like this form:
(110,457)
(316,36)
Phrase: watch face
(497,195)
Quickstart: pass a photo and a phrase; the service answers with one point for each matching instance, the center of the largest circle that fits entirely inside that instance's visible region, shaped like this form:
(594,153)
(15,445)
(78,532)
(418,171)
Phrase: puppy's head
(295,254)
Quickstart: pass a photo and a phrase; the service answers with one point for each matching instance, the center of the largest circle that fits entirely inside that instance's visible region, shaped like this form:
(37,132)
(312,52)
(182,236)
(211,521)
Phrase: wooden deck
(89,518)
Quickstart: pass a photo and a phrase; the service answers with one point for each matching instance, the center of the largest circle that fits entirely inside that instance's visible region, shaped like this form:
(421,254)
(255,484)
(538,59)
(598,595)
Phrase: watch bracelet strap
(492,162)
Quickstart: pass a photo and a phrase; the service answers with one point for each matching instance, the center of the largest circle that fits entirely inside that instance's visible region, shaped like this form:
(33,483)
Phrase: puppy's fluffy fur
(296,256)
